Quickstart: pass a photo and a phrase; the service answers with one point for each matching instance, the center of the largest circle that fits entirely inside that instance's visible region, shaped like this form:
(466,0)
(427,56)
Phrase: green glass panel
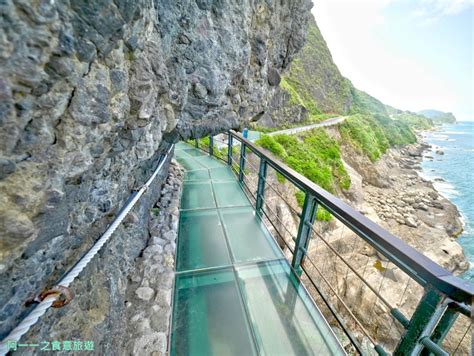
(222,173)
(229,194)
(194,152)
(208,317)
(201,241)
(182,145)
(189,163)
(209,162)
(284,319)
(197,196)
(197,175)
(248,237)
(180,154)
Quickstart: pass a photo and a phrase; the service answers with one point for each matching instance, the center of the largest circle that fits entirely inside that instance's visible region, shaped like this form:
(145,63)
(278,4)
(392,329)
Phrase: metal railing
(380,292)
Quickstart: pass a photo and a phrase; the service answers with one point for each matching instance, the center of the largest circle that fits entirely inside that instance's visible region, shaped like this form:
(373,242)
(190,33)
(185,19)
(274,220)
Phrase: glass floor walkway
(235,293)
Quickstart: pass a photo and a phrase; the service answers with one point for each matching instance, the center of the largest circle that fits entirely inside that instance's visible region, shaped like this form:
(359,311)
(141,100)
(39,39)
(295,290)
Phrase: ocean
(456,170)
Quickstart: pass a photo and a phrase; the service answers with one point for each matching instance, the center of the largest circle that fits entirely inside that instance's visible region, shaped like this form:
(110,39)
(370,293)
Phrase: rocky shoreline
(410,207)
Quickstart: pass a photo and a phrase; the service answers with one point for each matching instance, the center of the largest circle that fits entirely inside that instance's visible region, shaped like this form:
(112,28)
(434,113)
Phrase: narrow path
(235,293)
(329,122)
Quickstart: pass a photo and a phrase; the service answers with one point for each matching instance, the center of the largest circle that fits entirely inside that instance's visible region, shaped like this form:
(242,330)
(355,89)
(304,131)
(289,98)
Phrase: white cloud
(430,11)
(352,30)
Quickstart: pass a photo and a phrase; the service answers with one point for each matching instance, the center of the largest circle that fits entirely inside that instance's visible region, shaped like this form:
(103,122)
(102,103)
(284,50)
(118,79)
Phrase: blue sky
(411,54)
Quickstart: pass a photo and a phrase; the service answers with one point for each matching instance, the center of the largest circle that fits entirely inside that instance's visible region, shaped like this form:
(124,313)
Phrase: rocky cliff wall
(90,94)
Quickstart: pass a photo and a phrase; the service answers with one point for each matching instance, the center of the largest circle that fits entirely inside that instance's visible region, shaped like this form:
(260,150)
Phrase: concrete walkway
(329,122)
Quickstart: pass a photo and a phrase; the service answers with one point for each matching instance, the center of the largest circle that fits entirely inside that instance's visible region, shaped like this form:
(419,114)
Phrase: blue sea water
(456,167)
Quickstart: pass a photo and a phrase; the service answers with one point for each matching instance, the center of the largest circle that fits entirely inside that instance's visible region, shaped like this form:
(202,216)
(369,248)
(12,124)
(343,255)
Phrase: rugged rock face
(89,94)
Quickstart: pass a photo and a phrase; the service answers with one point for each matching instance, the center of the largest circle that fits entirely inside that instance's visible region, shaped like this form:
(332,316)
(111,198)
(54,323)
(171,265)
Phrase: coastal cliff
(371,160)
(377,146)
(91,95)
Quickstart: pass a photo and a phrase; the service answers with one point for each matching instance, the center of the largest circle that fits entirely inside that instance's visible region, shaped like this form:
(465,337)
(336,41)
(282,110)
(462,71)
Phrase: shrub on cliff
(313,154)
(397,132)
(269,143)
(366,134)
(373,135)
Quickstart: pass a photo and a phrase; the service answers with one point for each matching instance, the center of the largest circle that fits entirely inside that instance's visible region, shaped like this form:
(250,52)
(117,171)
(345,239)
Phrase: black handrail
(415,264)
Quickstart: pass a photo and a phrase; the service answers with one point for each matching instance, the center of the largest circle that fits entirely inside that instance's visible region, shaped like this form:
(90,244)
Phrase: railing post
(211,145)
(262,175)
(229,148)
(446,322)
(242,162)
(308,216)
(418,322)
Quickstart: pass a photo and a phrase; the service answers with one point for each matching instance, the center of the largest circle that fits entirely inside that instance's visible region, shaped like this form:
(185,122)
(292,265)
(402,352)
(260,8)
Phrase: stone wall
(89,93)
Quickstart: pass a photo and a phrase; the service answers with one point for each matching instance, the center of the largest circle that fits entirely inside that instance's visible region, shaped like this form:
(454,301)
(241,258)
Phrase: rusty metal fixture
(64,295)
(145,187)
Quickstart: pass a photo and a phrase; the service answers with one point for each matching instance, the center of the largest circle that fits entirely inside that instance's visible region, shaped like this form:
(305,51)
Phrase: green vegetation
(438,117)
(299,95)
(270,144)
(314,81)
(373,135)
(396,132)
(363,103)
(299,195)
(313,154)
(323,215)
(414,120)
(364,133)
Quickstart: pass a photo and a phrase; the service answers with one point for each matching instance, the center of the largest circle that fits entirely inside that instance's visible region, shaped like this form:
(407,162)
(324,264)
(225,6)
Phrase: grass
(316,156)
(313,154)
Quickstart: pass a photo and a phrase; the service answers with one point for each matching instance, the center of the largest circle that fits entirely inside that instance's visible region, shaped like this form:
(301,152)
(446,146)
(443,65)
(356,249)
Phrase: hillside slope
(438,117)
(314,89)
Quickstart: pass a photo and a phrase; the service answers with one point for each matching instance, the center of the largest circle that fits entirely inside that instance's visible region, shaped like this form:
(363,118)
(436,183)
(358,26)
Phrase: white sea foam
(446,189)
(440,136)
(464,221)
(455,132)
